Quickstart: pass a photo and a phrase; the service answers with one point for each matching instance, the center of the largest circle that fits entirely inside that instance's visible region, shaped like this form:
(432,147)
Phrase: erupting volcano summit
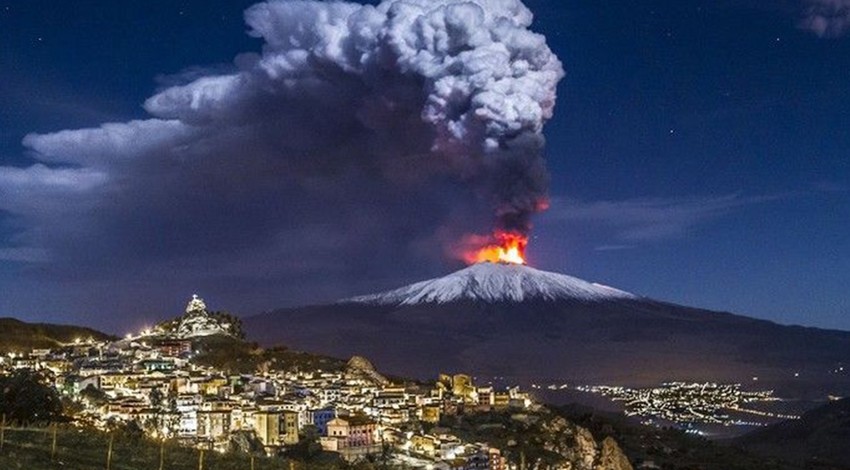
(505,247)
(496,282)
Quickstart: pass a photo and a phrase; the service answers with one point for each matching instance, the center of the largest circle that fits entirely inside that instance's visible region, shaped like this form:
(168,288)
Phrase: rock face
(198,322)
(586,451)
(580,449)
(360,368)
(246,442)
(612,457)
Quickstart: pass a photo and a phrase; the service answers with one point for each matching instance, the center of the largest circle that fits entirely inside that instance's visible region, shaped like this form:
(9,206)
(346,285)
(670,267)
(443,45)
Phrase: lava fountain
(504,247)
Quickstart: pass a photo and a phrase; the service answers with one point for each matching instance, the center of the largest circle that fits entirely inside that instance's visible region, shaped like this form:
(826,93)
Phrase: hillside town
(153,380)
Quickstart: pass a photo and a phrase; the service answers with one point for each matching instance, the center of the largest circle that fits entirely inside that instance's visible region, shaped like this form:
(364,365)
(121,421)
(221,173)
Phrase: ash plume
(388,122)
(827,18)
(471,83)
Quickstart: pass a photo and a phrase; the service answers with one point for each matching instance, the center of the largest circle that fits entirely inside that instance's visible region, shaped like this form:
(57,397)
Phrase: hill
(19,336)
(237,356)
(528,325)
(819,439)
(669,448)
(79,449)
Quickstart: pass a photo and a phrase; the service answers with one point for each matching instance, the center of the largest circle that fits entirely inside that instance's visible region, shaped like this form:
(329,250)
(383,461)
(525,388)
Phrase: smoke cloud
(358,131)
(827,18)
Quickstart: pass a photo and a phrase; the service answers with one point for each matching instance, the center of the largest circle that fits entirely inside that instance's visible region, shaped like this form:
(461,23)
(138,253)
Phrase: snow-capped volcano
(520,322)
(496,282)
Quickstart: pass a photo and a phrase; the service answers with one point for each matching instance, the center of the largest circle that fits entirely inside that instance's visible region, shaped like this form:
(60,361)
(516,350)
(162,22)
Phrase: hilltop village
(169,382)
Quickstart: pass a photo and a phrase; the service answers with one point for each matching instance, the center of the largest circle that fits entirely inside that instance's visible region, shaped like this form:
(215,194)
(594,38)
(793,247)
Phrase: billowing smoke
(470,83)
(827,18)
(399,122)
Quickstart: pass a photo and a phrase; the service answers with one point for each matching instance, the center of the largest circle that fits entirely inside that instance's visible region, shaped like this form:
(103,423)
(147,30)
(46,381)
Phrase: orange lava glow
(507,248)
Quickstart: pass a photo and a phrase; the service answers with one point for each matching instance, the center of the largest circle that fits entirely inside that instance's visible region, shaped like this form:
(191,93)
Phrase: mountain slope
(16,336)
(818,439)
(566,329)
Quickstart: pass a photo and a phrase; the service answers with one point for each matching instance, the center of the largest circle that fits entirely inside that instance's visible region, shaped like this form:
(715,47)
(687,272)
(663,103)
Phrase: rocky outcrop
(245,442)
(586,450)
(612,457)
(360,368)
(580,449)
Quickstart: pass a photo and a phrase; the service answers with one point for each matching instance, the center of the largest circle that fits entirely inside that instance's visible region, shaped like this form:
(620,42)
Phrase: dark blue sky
(698,154)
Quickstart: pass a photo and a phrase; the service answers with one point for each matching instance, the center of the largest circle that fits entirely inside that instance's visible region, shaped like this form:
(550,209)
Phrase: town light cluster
(156,380)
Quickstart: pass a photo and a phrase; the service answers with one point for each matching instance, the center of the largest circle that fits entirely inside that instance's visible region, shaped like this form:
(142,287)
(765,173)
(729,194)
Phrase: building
(497,461)
(267,427)
(289,427)
(275,428)
(425,445)
(320,419)
(175,348)
(431,414)
(188,406)
(485,458)
(214,422)
(152,365)
(351,436)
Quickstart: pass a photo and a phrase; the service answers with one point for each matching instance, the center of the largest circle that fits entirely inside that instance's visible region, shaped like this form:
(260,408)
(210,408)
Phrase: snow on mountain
(496,282)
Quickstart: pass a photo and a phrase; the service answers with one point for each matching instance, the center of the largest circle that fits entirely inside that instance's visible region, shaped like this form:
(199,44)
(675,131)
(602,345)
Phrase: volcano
(511,320)
(493,283)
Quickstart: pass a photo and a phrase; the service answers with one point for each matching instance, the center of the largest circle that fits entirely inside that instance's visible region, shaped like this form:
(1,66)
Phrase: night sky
(698,154)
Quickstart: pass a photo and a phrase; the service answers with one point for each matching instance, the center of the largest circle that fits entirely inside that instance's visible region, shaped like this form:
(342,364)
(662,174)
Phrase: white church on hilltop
(198,322)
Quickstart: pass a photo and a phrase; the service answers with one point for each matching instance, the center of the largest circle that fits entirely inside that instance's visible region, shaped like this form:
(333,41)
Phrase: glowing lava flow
(508,248)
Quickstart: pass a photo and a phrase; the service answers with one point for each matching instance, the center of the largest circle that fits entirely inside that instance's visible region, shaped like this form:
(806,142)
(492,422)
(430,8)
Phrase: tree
(308,446)
(382,460)
(94,395)
(130,430)
(235,323)
(26,399)
(156,398)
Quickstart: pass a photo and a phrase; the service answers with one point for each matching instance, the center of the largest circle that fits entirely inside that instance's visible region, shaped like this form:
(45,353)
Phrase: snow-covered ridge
(496,282)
